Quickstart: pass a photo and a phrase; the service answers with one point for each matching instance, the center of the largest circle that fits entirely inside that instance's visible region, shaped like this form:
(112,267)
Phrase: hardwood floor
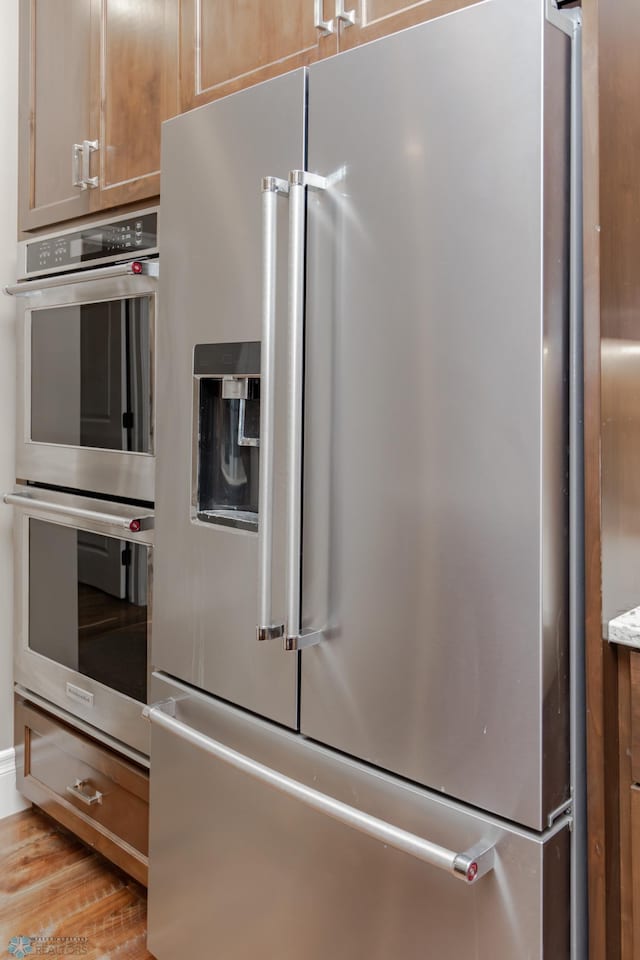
(53,887)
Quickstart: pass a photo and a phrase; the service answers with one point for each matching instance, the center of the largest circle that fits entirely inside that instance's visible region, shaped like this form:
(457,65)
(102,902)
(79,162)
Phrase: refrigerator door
(435,476)
(249,870)
(209,331)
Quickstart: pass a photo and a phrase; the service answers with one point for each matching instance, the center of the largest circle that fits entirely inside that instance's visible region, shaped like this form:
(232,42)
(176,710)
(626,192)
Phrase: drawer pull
(77,791)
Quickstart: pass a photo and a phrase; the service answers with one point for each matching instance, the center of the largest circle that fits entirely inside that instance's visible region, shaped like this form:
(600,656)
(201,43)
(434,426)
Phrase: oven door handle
(132,524)
(134,268)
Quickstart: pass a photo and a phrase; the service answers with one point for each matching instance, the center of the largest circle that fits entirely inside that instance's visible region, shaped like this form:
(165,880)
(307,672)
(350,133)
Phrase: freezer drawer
(245,863)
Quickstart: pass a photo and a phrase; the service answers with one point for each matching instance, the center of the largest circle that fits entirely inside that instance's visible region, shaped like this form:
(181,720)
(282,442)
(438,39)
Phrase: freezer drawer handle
(130,524)
(271,188)
(468,866)
(77,790)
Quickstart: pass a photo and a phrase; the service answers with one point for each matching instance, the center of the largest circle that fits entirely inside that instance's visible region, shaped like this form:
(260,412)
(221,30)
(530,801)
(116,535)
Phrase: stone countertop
(625,629)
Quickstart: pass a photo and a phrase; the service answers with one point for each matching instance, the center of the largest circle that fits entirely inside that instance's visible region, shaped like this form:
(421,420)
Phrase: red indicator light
(136,267)
(134,526)
(472,871)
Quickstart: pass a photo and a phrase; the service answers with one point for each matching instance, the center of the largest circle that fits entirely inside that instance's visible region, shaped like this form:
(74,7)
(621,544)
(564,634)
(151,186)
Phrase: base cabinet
(92,791)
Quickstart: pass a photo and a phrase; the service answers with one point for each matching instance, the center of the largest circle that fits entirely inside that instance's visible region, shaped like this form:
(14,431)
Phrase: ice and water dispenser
(227,433)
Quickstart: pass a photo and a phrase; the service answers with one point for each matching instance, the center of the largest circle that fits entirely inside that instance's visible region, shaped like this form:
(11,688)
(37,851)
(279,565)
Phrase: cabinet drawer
(88,788)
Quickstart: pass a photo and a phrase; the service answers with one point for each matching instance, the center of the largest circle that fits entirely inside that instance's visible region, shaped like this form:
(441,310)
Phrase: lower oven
(83,601)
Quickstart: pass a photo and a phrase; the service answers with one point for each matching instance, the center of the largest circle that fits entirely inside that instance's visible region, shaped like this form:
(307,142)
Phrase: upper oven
(85,358)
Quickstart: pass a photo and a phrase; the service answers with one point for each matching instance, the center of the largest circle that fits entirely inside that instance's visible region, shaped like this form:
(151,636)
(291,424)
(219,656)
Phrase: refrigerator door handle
(469,865)
(299,180)
(271,187)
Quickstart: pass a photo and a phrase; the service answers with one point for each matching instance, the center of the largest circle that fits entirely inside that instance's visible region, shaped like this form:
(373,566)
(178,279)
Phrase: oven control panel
(133,237)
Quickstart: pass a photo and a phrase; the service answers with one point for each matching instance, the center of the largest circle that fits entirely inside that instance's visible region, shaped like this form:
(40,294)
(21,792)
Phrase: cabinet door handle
(89,147)
(325,27)
(77,790)
(346,17)
(76,176)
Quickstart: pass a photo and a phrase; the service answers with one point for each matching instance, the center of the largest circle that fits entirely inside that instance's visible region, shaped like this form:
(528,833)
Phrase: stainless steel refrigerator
(367,742)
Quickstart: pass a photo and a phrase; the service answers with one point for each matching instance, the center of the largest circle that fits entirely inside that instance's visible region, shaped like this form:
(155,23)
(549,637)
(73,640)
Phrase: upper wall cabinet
(230,44)
(55,45)
(365,20)
(97,78)
(226,45)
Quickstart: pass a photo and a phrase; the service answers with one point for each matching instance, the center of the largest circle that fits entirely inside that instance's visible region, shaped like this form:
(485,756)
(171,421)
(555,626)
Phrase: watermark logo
(32,947)
(20,947)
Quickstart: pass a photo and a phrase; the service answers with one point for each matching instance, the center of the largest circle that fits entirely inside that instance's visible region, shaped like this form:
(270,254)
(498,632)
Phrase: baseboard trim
(10,800)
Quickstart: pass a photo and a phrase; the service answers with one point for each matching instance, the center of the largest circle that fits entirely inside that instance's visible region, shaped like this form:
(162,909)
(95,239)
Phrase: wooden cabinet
(100,75)
(227,45)
(378,18)
(85,786)
(634,885)
(55,45)
(627,794)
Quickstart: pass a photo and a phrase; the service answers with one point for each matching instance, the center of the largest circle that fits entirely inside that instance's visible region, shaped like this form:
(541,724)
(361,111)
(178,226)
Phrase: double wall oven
(85,472)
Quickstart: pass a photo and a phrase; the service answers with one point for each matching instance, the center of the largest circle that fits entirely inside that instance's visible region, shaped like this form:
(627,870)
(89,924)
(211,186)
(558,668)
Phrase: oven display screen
(123,238)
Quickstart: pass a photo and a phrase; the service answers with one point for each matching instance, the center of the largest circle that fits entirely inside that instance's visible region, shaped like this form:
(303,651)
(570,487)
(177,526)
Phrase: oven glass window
(88,598)
(91,375)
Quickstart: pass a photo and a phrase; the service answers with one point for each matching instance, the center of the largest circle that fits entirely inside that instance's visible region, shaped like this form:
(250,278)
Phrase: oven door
(85,381)
(83,607)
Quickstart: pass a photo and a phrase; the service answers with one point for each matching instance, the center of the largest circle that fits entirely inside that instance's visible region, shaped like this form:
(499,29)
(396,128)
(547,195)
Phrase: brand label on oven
(79,695)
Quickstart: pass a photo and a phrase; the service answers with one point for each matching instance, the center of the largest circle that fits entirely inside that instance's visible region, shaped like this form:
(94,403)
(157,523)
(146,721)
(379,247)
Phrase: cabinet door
(230,44)
(377,18)
(54,108)
(131,94)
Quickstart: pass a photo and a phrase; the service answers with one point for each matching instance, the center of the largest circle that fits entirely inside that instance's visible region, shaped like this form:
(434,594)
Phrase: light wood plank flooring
(52,886)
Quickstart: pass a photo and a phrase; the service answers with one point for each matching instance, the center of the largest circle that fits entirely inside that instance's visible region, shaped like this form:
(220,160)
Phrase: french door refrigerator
(367,736)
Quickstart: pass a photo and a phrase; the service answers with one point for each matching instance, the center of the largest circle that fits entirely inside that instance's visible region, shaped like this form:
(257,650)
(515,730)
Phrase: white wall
(8,240)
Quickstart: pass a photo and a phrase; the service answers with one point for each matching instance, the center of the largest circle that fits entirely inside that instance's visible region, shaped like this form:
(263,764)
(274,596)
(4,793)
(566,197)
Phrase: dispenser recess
(227,434)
